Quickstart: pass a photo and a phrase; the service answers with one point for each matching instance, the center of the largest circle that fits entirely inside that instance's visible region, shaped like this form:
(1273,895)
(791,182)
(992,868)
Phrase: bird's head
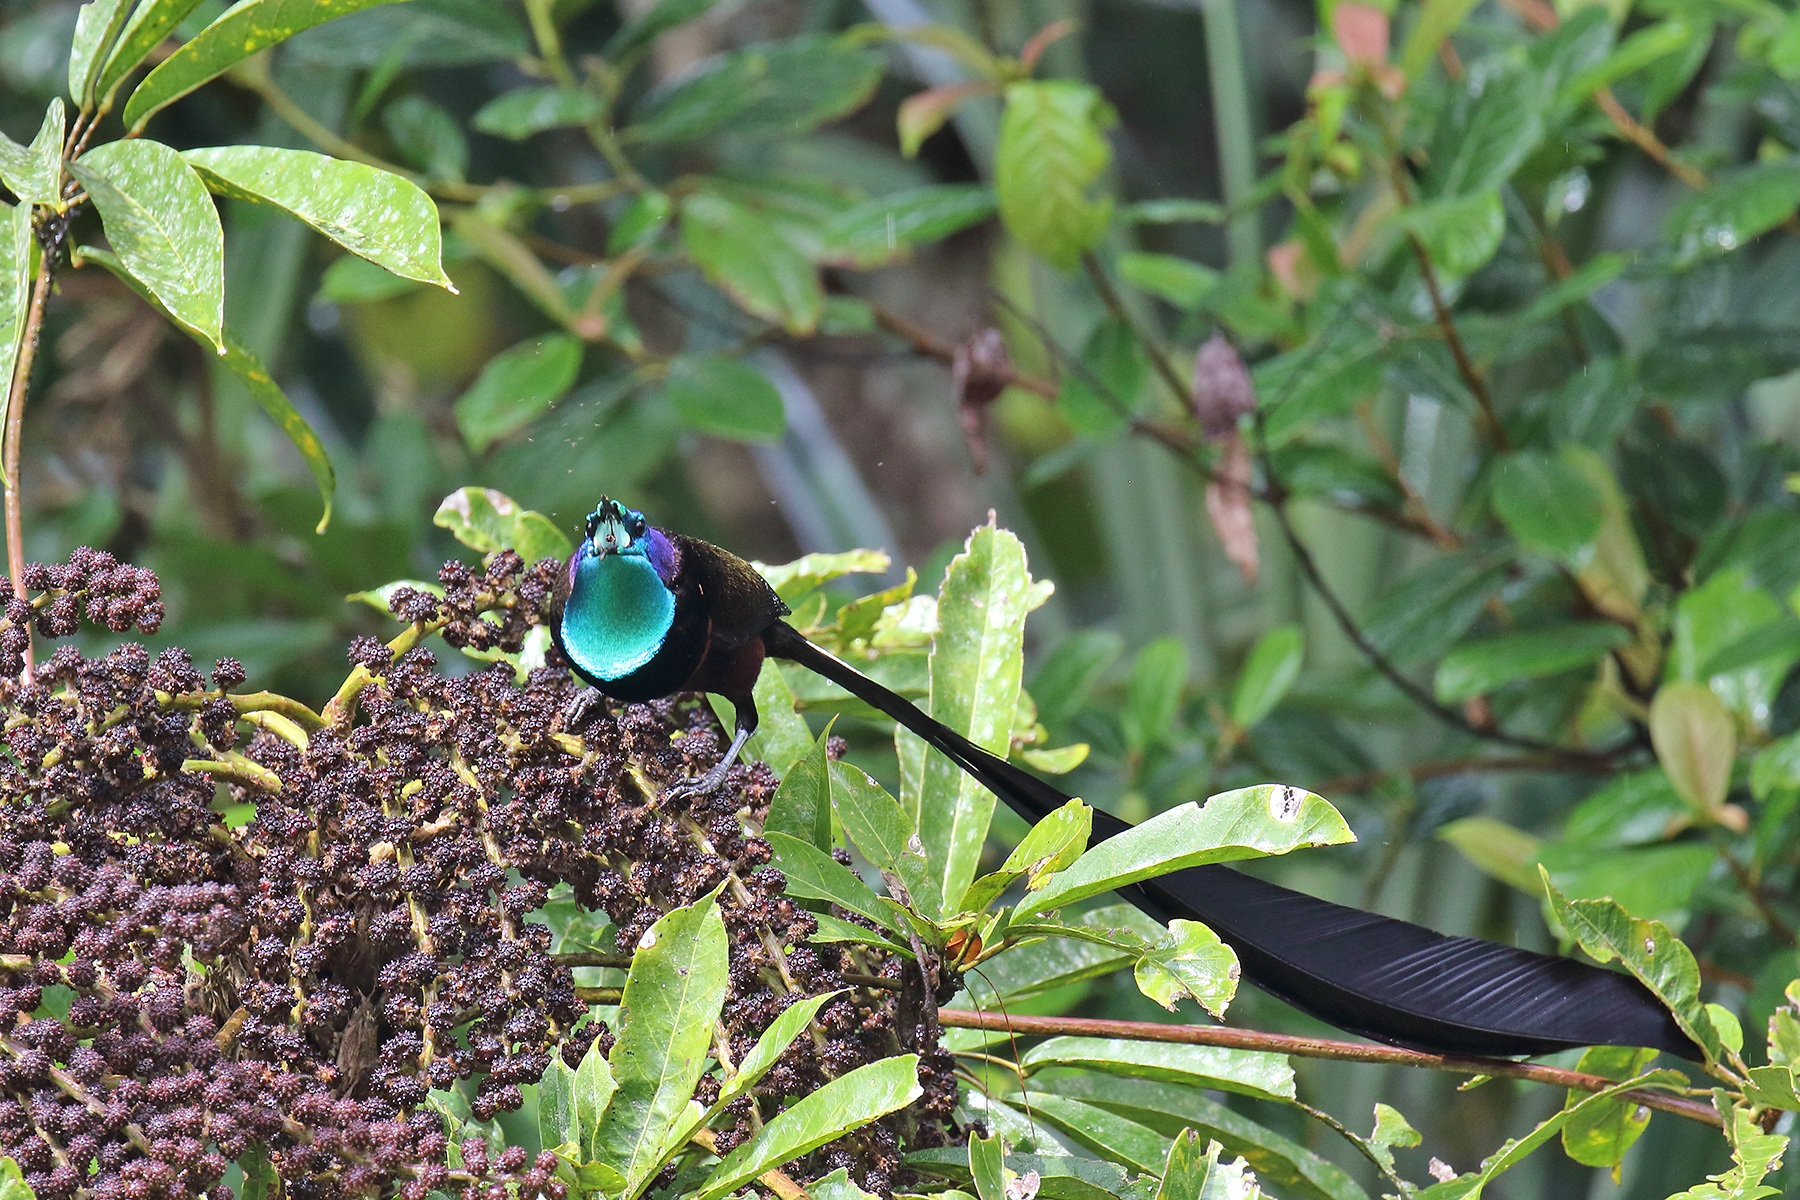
(614,529)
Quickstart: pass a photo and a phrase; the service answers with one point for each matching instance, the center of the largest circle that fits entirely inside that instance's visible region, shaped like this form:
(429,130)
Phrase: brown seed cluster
(316,982)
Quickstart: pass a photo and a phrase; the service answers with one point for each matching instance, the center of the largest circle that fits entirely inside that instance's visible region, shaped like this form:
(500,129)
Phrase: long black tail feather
(1384,979)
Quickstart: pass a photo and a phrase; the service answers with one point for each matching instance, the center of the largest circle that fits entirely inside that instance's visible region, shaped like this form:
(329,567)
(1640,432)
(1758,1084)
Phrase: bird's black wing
(739,600)
(1364,973)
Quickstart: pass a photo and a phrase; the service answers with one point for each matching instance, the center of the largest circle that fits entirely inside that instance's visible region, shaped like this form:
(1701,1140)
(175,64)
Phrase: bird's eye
(593,526)
(637,527)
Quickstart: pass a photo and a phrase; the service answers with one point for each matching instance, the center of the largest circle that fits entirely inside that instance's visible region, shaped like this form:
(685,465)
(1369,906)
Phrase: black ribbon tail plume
(1367,974)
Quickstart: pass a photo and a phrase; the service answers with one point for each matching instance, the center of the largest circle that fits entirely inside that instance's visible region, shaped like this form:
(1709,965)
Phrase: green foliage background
(1523,309)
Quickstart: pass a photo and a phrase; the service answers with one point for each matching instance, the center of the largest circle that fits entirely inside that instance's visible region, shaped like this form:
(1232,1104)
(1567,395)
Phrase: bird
(640,614)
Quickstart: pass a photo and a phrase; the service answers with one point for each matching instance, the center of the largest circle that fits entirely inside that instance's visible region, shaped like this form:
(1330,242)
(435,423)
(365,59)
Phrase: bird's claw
(580,706)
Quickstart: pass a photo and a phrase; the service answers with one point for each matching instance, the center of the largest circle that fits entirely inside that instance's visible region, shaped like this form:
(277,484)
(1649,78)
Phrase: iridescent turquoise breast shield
(617,616)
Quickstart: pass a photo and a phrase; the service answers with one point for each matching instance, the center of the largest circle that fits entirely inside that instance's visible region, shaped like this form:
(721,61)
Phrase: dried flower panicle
(174,992)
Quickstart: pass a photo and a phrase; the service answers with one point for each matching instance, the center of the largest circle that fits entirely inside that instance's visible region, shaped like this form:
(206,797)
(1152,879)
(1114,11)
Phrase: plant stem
(1328,1048)
(1233,124)
(19,386)
(1115,304)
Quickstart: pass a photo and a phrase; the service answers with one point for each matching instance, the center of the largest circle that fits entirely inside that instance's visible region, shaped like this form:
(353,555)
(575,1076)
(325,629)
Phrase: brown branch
(17,388)
(1327,1048)
(929,344)
(1159,358)
(1470,765)
(1465,366)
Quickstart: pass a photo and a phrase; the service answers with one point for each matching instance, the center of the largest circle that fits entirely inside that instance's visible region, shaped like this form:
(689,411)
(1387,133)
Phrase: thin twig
(1326,1048)
(931,345)
(18,388)
(1159,358)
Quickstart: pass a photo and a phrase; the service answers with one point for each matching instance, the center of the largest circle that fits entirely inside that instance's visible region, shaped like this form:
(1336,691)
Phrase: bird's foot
(580,707)
(702,785)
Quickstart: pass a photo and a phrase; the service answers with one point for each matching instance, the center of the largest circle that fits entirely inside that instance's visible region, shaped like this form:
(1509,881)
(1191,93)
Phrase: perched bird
(645,613)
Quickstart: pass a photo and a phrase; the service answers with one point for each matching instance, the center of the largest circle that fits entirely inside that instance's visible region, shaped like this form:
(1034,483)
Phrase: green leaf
(1425,614)
(260,1180)
(247,28)
(1649,950)
(1115,361)
(34,173)
(1499,850)
(1248,1072)
(487,521)
(1438,19)
(1050,155)
(149,25)
(1191,961)
(976,661)
(647,23)
(1060,1176)
(591,1093)
(845,1103)
(769,1048)
(18,265)
(884,228)
(430,139)
(1460,233)
(812,874)
(782,738)
(1476,668)
(837,1186)
(794,579)
(1614,576)
(1268,673)
(1726,617)
(673,997)
(1602,1134)
(778,89)
(1391,1129)
(1292,1171)
(742,254)
(987,1167)
(1050,845)
(1180,281)
(249,371)
(723,396)
(518,114)
(801,807)
(556,1104)
(1173,212)
(1754,1156)
(353,280)
(1105,1133)
(373,213)
(1548,505)
(1738,206)
(1247,823)
(1696,742)
(1185,1170)
(882,830)
(1032,969)
(97,27)
(516,387)
(163,227)
(1646,46)
(1153,694)
(1485,137)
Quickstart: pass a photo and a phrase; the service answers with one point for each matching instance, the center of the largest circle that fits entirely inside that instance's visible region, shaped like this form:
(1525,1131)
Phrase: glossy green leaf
(1602,1134)
(1247,823)
(1248,1072)
(1721,620)
(1186,1167)
(1460,234)
(1060,1176)
(97,26)
(592,1092)
(1696,742)
(1153,693)
(1548,505)
(725,397)
(1476,668)
(1290,1170)
(976,661)
(1032,969)
(247,28)
(801,807)
(987,1167)
(163,228)
(1180,281)
(1190,961)
(741,253)
(1104,1133)
(516,387)
(488,521)
(1426,614)
(429,138)
(812,874)
(1487,135)
(556,1104)
(1269,671)
(34,173)
(884,832)
(1050,845)
(780,89)
(1391,1129)
(1050,157)
(260,1179)
(249,371)
(1649,950)
(884,228)
(1613,575)
(845,1103)
(518,114)
(769,1048)
(794,579)
(373,213)
(152,21)
(1737,207)
(673,997)
(18,253)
